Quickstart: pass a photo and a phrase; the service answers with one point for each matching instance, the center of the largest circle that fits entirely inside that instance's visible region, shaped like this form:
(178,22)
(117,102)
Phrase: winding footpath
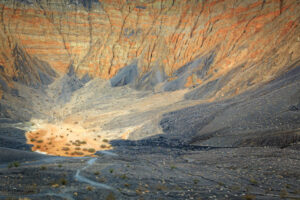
(83,179)
(78,177)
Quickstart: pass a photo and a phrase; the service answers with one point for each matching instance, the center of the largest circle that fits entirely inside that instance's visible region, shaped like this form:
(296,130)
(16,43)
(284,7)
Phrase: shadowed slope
(260,115)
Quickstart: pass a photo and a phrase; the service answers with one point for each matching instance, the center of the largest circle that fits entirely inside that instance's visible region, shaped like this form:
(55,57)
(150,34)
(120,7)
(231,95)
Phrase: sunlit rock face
(229,46)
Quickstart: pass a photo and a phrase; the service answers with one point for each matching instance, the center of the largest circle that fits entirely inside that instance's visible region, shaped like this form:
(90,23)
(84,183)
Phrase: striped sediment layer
(241,43)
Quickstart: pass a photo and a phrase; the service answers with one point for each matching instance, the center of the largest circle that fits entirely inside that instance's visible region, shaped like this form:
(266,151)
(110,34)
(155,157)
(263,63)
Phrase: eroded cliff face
(229,46)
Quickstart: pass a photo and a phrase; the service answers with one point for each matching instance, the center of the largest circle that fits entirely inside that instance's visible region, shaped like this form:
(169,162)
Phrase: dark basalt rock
(13,138)
(199,67)
(293,108)
(125,76)
(151,79)
(31,71)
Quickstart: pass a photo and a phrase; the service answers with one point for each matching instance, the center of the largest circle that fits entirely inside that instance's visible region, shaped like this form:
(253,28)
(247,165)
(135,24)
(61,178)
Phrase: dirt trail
(83,179)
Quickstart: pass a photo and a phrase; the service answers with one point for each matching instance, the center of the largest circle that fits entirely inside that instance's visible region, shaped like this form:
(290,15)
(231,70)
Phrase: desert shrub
(221,184)
(78,142)
(105,140)
(110,196)
(283,194)
(102,180)
(123,176)
(91,150)
(13,164)
(89,188)
(161,187)
(16,164)
(249,197)
(253,181)
(79,153)
(63,181)
(65,148)
(55,185)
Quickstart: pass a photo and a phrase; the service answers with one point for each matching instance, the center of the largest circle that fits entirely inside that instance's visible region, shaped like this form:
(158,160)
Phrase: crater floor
(158,145)
(94,115)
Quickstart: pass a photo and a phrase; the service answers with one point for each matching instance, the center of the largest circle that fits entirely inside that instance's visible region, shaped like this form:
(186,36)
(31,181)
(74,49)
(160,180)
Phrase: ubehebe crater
(149,99)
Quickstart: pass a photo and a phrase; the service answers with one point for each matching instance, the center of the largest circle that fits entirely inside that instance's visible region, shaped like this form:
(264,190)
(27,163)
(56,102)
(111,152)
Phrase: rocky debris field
(131,172)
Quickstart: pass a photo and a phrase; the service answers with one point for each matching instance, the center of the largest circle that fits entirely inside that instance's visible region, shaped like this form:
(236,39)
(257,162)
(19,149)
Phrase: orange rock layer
(259,37)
